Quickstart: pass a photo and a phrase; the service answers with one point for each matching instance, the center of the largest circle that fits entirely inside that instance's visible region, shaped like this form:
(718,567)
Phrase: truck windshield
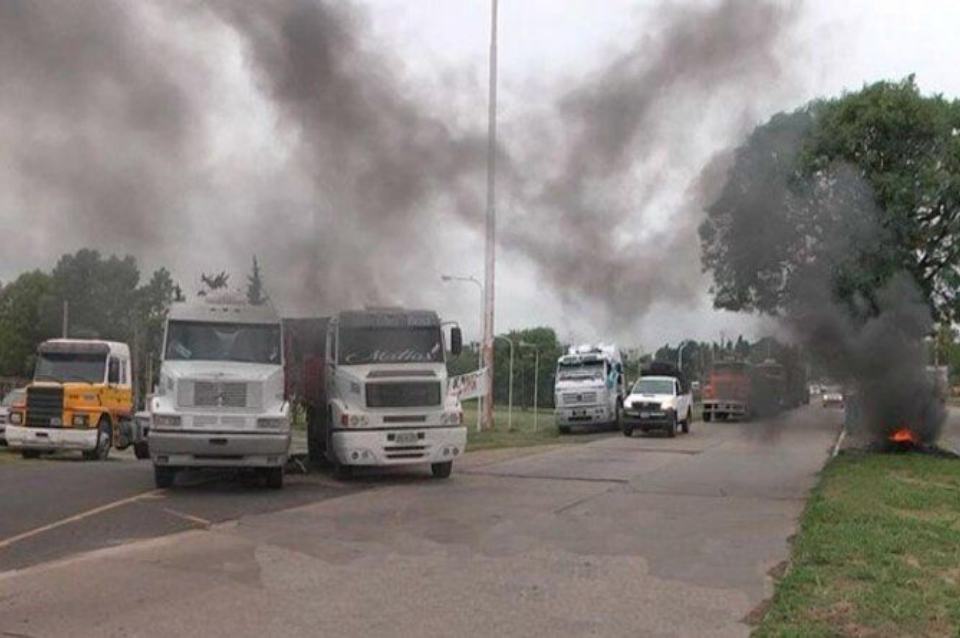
(242,342)
(583,371)
(70,366)
(654,386)
(360,346)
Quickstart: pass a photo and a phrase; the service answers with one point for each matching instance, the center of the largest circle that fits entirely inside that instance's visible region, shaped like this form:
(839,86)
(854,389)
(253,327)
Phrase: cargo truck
(374,385)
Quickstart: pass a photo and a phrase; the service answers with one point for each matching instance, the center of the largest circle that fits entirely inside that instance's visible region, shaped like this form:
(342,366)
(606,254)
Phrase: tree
(213,283)
(862,187)
(150,312)
(21,328)
(255,295)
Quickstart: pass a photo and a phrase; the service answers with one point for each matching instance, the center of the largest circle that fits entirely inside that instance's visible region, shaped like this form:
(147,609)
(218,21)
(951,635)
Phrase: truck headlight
(16,418)
(80,420)
(354,420)
(272,423)
(167,420)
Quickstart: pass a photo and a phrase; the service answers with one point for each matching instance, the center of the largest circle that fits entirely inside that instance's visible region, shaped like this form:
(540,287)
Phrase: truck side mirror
(456,341)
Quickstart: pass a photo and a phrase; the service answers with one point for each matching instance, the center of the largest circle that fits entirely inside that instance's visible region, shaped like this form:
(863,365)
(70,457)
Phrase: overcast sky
(544,45)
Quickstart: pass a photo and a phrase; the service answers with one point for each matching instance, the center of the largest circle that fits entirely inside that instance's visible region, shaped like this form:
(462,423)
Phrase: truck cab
(384,397)
(220,400)
(81,393)
(589,387)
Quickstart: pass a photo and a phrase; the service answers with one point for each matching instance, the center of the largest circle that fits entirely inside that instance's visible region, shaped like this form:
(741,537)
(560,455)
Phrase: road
(616,537)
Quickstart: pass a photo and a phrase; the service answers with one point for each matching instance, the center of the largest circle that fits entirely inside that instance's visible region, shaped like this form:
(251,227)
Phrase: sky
(212,218)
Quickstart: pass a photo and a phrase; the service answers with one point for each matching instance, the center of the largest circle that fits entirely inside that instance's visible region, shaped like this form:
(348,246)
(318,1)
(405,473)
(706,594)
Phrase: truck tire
(617,417)
(316,440)
(30,454)
(708,416)
(563,429)
(104,442)
(686,422)
(673,428)
(274,476)
(141,450)
(627,430)
(164,476)
(442,470)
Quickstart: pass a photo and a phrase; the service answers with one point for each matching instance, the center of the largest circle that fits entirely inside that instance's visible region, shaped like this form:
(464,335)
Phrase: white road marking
(7,542)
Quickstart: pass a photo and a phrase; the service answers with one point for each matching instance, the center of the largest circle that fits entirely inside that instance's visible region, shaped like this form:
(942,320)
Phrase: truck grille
(646,406)
(579,398)
(215,394)
(43,405)
(403,395)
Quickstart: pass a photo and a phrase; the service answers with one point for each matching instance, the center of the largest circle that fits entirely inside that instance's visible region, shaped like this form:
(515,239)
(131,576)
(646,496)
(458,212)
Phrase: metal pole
(491,234)
(536,386)
(510,393)
(66,318)
(680,356)
(479,285)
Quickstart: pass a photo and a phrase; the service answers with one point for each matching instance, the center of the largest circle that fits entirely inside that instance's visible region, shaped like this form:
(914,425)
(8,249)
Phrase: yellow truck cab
(82,390)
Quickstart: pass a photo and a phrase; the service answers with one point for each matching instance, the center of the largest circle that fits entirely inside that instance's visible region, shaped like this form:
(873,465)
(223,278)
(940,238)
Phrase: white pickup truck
(660,401)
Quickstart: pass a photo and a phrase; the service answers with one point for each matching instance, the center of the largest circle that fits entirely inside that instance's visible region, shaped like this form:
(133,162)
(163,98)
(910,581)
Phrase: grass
(878,553)
(522,434)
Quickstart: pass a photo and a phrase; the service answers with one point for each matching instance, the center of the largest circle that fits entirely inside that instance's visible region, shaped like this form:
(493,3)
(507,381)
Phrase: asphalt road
(640,536)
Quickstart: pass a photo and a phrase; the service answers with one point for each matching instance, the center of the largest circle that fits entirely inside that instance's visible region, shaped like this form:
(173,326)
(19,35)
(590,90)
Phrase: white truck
(589,388)
(220,401)
(660,400)
(374,383)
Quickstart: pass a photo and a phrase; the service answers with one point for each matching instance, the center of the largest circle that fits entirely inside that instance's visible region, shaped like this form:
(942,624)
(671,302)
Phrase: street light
(536,381)
(474,280)
(510,388)
(680,355)
(490,247)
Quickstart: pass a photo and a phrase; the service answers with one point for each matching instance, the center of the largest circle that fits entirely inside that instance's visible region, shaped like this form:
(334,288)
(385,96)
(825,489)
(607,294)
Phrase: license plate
(579,413)
(406,438)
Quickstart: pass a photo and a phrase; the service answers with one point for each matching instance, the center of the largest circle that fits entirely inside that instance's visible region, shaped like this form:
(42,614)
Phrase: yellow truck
(80,396)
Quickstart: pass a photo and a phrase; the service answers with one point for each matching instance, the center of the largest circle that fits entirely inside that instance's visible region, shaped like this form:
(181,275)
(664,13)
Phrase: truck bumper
(584,415)
(51,439)
(729,409)
(655,421)
(207,449)
(388,447)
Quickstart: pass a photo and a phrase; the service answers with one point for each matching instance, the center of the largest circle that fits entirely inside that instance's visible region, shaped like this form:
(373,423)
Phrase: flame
(904,435)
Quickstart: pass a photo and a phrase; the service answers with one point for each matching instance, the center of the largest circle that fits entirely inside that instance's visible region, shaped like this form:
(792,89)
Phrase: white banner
(468,386)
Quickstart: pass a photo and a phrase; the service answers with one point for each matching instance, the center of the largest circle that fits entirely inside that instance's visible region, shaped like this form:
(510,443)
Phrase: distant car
(832,396)
(658,403)
(14,397)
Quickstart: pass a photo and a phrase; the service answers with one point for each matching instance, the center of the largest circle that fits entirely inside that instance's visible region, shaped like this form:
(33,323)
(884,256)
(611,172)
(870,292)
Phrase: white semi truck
(375,385)
(589,387)
(220,401)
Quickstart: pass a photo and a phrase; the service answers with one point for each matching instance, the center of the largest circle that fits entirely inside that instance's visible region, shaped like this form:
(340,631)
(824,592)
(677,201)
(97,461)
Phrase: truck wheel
(274,478)
(617,417)
(563,429)
(30,454)
(627,430)
(163,476)
(442,470)
(707,416)
(141,450)
(686,423)
(104,441)
(673,428)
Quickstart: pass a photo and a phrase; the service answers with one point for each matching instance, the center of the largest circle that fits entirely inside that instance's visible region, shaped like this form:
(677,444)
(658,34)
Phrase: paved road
(641,536)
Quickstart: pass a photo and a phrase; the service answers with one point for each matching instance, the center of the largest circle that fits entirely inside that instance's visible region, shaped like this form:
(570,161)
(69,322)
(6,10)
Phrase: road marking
(840,438)
(202,522)
(7,542)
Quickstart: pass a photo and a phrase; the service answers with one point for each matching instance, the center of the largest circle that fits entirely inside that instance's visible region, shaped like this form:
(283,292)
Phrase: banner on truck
(472,385)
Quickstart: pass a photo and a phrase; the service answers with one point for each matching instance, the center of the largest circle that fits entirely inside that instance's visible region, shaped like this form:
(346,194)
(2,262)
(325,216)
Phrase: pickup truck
(658,402)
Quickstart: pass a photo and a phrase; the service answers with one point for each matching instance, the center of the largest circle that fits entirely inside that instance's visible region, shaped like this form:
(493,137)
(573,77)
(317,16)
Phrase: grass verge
(878,553)
(525,432)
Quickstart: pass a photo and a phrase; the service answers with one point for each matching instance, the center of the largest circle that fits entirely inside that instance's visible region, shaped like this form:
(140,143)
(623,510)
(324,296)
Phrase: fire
(904,435)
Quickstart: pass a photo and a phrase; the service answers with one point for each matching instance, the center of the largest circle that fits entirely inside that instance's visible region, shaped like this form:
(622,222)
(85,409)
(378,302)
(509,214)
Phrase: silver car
(14,397)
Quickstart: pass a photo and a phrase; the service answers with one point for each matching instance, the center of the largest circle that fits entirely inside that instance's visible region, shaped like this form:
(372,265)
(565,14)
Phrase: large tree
(20,322)
(858,188)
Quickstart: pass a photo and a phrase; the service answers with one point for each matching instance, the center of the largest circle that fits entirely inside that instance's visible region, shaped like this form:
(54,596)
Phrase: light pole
(491,220)
(476,281)
(510,381)
(680,355)
(536,382)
